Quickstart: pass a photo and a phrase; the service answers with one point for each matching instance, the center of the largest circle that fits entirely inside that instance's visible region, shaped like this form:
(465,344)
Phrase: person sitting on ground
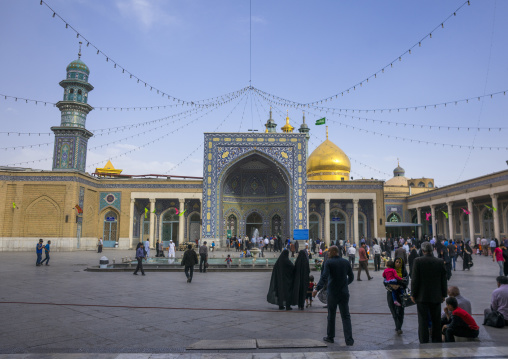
(499,301)
(463,303)
(391,280)
(462,323)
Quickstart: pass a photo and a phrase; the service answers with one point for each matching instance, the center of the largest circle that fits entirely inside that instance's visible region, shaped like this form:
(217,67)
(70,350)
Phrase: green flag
(321,121)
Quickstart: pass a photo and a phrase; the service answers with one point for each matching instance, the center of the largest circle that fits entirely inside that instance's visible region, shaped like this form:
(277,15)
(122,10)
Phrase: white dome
(397,181)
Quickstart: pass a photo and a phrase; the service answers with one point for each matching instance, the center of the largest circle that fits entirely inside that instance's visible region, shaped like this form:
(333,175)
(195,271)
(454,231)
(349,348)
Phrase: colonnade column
(327,222)
(355,222)
(419,221)
(308,213)
(374,207)
(471,218)
(450,220)
(131,223)
(181,221)
(495,214)
(433,221)
(152,222)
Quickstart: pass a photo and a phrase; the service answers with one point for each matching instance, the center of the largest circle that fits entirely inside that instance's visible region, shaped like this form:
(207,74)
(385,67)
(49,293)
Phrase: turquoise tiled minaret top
(76,89)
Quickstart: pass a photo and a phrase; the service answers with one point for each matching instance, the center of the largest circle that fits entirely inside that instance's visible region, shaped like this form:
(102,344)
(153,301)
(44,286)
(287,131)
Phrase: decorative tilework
(96,183)
(111,199)
(224,150)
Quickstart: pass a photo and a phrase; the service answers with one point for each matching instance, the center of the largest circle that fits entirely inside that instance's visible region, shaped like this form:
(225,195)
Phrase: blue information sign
(301,234)
(110,219)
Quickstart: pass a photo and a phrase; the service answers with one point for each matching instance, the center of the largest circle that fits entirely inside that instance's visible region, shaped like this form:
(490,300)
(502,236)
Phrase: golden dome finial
(287,127)
(326,132)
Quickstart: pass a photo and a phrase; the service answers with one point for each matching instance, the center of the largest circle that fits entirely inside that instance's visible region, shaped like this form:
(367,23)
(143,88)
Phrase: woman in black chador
(281,284)
(301,279)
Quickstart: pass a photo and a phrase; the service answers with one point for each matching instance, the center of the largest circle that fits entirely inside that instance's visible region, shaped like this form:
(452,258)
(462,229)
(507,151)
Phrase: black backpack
(494,319)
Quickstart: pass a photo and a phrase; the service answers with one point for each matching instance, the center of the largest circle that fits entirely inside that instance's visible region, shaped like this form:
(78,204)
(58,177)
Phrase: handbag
(406,299)
(494,319)
(322,294)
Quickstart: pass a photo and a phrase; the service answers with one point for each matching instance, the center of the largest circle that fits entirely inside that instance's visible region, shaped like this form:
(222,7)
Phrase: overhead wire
(116,65)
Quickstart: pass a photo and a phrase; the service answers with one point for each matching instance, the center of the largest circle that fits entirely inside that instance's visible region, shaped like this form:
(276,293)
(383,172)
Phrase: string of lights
(406,109)
(420,141)
(9,133)
(243,114)
(27,100)
(101,131)
(256,102)
(356,161)
(312,135)
(406,124)
(116,65)
(28,162)
(360,84)
(357,174)
(158,138)
(229,97)
(26,146)
(201,145)
(98,132)
(140,133)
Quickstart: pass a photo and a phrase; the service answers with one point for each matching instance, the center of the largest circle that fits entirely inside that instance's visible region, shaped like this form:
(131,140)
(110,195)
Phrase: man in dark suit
(428,291)
(338,274)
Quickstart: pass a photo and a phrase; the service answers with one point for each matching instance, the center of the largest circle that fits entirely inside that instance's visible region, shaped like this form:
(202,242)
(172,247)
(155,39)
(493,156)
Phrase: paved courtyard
(63,309)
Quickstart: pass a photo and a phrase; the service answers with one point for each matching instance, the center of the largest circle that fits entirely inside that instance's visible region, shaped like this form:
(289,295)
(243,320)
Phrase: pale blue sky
(301,50)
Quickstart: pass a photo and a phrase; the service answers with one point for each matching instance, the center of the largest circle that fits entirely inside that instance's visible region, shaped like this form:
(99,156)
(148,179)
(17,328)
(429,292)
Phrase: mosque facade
(264,183)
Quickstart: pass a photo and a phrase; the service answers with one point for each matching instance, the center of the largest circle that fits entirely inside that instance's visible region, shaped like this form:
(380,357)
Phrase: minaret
(271,126)
(71,137)
(305,129)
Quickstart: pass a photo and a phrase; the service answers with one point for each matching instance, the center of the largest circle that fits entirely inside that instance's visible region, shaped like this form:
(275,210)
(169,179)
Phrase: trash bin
(104,261)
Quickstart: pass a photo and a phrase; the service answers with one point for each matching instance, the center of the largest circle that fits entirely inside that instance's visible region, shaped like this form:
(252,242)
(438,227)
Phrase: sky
(299,51)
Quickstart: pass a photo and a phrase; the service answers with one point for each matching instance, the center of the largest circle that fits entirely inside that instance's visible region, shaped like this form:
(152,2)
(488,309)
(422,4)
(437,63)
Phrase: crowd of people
(430,263)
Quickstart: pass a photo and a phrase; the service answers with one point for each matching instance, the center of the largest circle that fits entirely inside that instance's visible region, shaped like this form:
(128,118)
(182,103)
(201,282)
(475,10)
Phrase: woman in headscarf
(466,264)
(301,279)
(397,312)
(281,283)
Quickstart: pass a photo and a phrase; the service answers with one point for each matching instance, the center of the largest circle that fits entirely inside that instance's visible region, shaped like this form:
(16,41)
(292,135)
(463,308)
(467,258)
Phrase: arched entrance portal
(254,221)
(256,188)
(110,232)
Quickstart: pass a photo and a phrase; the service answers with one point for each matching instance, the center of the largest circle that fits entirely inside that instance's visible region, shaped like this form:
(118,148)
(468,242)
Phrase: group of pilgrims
(290,282)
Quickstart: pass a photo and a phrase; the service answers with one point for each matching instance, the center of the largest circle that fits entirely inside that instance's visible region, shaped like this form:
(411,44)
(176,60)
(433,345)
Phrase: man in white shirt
(376,249)
(351,252)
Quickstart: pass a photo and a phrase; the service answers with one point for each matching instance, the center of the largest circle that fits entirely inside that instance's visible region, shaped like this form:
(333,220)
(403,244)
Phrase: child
(391,280)
(228,261)
(308,298)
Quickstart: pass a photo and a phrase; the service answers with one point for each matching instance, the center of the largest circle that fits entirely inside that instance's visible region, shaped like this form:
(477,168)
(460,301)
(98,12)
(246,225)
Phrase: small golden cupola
(108,170)
(287,128)
(328,163)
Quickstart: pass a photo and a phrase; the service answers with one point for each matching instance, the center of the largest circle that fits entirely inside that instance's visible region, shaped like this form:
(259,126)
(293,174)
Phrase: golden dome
(328,163)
